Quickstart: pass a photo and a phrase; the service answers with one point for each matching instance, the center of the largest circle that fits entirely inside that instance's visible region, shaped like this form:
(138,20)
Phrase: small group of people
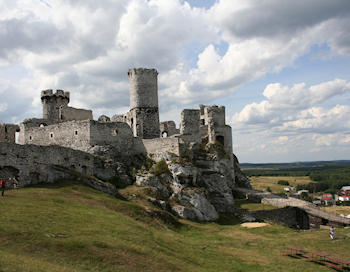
(13,180)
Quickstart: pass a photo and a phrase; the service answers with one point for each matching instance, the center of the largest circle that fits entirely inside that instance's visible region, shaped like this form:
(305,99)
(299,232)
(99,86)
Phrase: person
(3,184)
(331,232)
(14,182)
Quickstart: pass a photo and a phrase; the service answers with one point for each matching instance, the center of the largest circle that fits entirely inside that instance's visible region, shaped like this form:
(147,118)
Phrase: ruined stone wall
(8,132)
(289,216)
(213,118)
(168,128)
(73,134)
(119,118)
(145,122)
(69,114)
(32,164)
(32,123)
(117,134)
(190,125)
(153,146)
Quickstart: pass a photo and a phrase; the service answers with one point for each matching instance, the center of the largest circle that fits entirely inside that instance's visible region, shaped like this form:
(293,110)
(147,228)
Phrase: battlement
(45,94)
(141,71)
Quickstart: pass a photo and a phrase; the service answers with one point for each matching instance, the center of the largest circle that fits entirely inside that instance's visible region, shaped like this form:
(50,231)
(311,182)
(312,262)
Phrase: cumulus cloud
(299,120)
(296,108)
(87,46)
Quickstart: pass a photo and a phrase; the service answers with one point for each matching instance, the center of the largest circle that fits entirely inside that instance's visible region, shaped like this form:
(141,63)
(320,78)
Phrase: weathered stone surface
(184,174)
(32,164)
(153,181)
(240,179)
(197,207)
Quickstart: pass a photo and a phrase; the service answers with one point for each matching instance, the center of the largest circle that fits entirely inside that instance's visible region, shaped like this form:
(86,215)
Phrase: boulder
(154,182)
(197,207)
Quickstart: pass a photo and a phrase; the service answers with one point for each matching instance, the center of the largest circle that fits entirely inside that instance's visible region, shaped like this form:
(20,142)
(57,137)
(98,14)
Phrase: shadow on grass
(228,220)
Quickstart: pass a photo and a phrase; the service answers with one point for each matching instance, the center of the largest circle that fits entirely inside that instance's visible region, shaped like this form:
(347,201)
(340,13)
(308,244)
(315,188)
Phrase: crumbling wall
(73,134)
(289,216)
(117,134)
(8,132)
(190,125)
(119,118)
(69,114)
(32,123)
(33,164)
(168,128)
(213,118)
(153,146)
(145,122)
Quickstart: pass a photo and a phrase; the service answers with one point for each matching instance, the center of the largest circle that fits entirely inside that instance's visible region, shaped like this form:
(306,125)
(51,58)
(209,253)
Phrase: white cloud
(296,108)
(86,47)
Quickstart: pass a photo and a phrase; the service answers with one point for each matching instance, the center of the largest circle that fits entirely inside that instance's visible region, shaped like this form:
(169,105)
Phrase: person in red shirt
(3,184)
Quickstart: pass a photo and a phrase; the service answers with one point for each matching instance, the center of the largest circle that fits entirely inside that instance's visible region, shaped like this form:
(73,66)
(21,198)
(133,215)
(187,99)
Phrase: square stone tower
(144,110)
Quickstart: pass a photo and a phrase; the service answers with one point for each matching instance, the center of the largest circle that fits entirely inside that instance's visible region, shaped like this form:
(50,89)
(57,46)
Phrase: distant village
(342,198)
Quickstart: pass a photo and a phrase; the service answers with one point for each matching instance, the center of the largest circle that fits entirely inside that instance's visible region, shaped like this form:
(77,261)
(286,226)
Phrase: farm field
(70,227)
(263,182)
(345,210)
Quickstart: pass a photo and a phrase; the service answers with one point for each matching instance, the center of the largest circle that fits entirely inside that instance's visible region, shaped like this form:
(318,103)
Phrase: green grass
(71,227)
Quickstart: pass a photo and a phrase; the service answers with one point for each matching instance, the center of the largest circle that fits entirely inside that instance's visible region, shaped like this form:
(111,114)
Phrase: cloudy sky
(281,68)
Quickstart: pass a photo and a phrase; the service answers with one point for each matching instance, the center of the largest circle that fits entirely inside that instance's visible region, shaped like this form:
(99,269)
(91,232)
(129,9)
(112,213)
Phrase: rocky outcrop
(240,179)
(197,189)
(32,164)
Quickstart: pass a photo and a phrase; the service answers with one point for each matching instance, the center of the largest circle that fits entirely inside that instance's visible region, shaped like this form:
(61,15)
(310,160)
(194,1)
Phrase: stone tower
(144,111)
(53,103)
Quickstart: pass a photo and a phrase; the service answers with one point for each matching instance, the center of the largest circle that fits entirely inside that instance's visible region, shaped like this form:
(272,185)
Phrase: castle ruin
(137,131)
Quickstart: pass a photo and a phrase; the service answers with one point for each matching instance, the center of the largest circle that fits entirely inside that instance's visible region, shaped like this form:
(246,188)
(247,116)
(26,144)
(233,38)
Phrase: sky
(281,68)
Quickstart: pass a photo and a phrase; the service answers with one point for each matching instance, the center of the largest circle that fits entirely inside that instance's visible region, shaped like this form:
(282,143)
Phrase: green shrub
(283,182)
(161,167)
(149,163)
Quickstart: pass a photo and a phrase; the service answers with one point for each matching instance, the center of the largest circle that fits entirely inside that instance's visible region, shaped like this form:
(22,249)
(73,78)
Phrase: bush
(268,189)
(149,163)
(283,182)
(161,167)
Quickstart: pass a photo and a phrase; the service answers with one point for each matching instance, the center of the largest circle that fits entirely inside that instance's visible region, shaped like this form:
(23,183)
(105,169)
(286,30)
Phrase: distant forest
(326,176)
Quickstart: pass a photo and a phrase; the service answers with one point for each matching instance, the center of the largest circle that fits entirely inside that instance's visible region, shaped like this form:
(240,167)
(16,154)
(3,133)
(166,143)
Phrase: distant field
(325,175)
(73,228)
(345,210)
(263,182)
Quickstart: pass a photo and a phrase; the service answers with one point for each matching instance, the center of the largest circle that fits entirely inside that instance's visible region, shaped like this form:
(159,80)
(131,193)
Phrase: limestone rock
(194,206)
(184,174)
(220,194)
(154,182)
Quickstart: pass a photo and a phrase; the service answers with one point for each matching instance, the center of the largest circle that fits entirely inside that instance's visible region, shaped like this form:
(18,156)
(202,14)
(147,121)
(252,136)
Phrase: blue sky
(281,68)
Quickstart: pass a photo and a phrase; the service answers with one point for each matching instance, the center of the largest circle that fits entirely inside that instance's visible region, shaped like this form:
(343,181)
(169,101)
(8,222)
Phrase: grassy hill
(70,227)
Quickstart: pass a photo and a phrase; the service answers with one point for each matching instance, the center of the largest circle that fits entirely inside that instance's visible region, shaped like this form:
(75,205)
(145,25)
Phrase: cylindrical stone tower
(53,102)
(144,119)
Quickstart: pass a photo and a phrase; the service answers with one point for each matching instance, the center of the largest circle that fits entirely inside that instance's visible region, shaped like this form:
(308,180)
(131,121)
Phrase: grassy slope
(75,228)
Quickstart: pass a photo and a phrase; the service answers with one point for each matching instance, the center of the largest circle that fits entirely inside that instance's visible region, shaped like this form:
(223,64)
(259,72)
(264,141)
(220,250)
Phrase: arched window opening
(164,134)
(114,132)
